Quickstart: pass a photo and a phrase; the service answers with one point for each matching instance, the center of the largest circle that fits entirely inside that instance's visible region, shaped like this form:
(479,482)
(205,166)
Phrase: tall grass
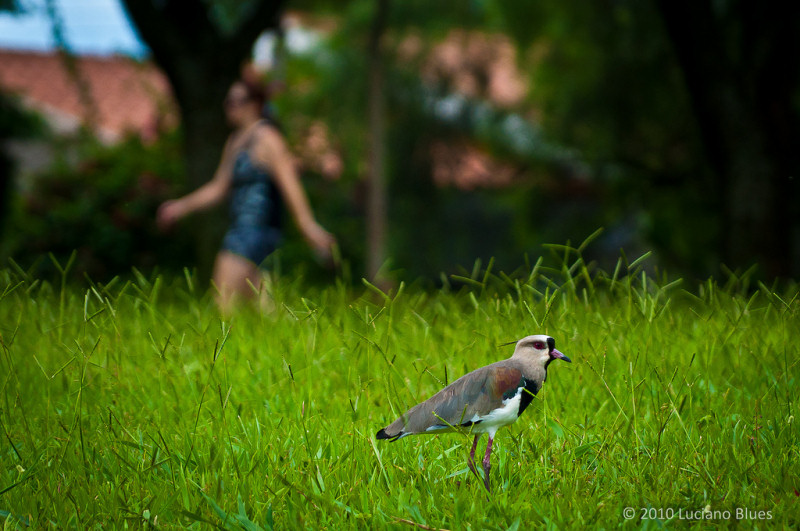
(135,404)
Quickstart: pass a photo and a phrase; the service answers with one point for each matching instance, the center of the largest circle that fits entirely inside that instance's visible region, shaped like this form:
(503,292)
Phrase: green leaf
(556,428)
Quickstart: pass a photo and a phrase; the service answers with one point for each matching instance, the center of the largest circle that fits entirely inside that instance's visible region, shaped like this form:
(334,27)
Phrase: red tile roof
(125,95)
(472,63)
(467,167)
(476,65)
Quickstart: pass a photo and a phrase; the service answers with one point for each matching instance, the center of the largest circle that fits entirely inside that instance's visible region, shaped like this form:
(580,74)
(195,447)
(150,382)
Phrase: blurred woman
(258,174)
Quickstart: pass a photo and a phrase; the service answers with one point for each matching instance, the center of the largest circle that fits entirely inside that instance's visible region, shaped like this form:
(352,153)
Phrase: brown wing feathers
(506,380)
(476,393)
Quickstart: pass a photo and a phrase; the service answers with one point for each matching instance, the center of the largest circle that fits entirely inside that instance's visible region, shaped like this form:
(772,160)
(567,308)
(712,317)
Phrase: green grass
(134,404)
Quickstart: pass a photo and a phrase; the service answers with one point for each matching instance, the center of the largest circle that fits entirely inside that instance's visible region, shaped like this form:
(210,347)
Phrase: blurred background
(429,134)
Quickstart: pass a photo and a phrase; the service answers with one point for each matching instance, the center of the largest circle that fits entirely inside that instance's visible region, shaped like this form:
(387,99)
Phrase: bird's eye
(538,345)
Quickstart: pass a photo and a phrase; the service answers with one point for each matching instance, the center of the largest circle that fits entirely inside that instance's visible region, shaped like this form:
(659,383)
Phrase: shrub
(103,207)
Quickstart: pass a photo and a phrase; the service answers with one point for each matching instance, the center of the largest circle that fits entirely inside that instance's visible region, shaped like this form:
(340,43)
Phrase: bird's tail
(392,438)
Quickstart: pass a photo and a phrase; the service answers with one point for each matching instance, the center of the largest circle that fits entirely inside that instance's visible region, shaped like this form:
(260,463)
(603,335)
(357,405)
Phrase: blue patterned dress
(255,211)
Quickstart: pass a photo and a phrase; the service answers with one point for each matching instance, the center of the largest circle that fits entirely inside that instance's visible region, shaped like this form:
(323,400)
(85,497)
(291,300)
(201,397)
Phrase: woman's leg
(235,278)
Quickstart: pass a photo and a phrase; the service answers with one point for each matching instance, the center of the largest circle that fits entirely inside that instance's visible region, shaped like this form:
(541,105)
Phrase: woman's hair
(259,92)
(252,80)
(256,91)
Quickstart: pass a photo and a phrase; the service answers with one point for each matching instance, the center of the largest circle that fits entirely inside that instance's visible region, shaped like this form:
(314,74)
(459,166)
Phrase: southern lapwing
(484,400)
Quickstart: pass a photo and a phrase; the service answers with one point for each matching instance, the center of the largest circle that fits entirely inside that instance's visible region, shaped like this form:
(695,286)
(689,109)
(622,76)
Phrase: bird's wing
(462,402)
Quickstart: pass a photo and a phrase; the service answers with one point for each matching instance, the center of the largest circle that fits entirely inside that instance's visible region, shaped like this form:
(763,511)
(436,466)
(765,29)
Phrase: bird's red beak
(556,354)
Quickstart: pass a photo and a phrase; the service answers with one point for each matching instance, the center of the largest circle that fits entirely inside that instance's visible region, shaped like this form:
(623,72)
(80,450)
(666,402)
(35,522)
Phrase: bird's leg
(487,466)
(471,460)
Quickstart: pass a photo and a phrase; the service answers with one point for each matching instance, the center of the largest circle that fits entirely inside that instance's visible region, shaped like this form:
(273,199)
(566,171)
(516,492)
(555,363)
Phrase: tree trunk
(204,133)
(742,92)
(6,167)
(376,199)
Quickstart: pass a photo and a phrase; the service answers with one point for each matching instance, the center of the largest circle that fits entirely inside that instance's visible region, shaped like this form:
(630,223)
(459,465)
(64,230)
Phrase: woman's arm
(270,150)
(207,196)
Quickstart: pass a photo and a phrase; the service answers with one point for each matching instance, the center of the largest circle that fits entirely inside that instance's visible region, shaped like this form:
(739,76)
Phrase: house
(112,95)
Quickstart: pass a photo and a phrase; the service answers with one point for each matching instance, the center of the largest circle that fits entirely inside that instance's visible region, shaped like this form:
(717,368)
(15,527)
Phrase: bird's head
(541,348)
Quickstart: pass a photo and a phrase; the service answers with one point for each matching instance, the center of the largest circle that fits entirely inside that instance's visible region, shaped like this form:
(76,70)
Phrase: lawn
(135,404)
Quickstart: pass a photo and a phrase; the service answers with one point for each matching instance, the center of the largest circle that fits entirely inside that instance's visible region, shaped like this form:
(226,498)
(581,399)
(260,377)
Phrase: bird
(483,400)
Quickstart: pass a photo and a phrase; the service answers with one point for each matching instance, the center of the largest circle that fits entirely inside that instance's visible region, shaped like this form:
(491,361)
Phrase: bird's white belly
(497,418)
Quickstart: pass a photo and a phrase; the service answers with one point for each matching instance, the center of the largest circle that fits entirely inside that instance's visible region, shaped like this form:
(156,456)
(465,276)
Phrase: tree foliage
(672,124)
(425,223)
(685,110)
(102,209)
(744,95)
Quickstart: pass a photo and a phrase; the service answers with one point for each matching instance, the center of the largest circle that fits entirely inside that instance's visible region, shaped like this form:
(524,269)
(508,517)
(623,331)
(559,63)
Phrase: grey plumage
(484,400)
